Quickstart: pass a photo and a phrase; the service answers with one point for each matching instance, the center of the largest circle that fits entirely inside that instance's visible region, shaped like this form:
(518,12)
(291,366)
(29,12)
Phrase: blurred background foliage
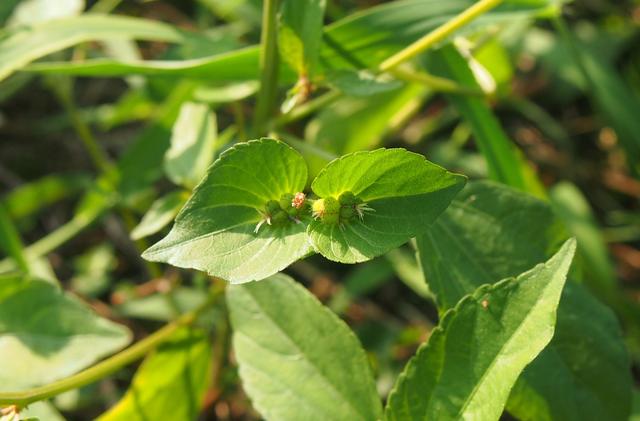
(86,177)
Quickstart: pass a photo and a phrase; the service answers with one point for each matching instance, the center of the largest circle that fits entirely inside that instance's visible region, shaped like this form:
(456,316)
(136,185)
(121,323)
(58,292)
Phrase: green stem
(104,6)
(140,244)
(10,240)
(438,34)
(268,66)
(306,108)
(436,83)
(409,52)
(306,147)
(97,155)
(238,116)
(569,39)
(58,237)
(110,365)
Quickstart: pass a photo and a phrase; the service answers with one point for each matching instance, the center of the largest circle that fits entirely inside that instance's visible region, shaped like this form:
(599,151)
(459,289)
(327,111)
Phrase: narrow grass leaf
(364,39)
(504,161)
(300,34)
(23,45)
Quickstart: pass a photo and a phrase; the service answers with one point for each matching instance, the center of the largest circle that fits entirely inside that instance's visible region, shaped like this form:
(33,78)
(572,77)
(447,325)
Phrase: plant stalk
(57,237)
(390,64)
(10,240)
(438,34)
(110,365)
(307,108)
(265,103)
(98,156)
(436,83)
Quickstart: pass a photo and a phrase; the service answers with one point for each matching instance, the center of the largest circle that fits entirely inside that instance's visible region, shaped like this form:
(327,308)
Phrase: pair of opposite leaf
(368,203)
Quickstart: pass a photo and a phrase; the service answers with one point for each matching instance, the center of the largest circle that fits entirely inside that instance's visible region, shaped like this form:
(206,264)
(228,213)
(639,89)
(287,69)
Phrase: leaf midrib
(310,361)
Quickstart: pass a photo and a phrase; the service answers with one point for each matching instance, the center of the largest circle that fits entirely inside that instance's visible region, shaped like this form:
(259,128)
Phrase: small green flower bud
(285,201)
(346,213)
(326,210)
(272,207)
(279,217)
(349,199)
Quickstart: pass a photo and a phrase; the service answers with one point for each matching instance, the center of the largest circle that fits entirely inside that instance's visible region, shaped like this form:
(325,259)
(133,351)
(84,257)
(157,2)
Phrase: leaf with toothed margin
(583,374)
(215,231)
(296,358)
(472,360)
(404,191)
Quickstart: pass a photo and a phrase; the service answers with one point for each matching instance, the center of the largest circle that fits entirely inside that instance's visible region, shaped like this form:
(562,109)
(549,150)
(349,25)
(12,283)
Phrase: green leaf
(354,124)
(408,270)
(42,410)
(158,307)
(26,44)
(574,210)
(216,230)
(584,372)
(517,231)
(170,384)
(36,11)
(472,359)
(300,36)
(29,198)
(371,36)
(192,145)
(227,93)
(142,162)
(505,162)
(363,39)
(47,335)
(584,58)
(612,97)
(6,9)
(291,49)
(298,360)
(635,413)
(160,214)
(239,65)
(92,270)
(404,190)
(362,83)
(494,58)
(11,243)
